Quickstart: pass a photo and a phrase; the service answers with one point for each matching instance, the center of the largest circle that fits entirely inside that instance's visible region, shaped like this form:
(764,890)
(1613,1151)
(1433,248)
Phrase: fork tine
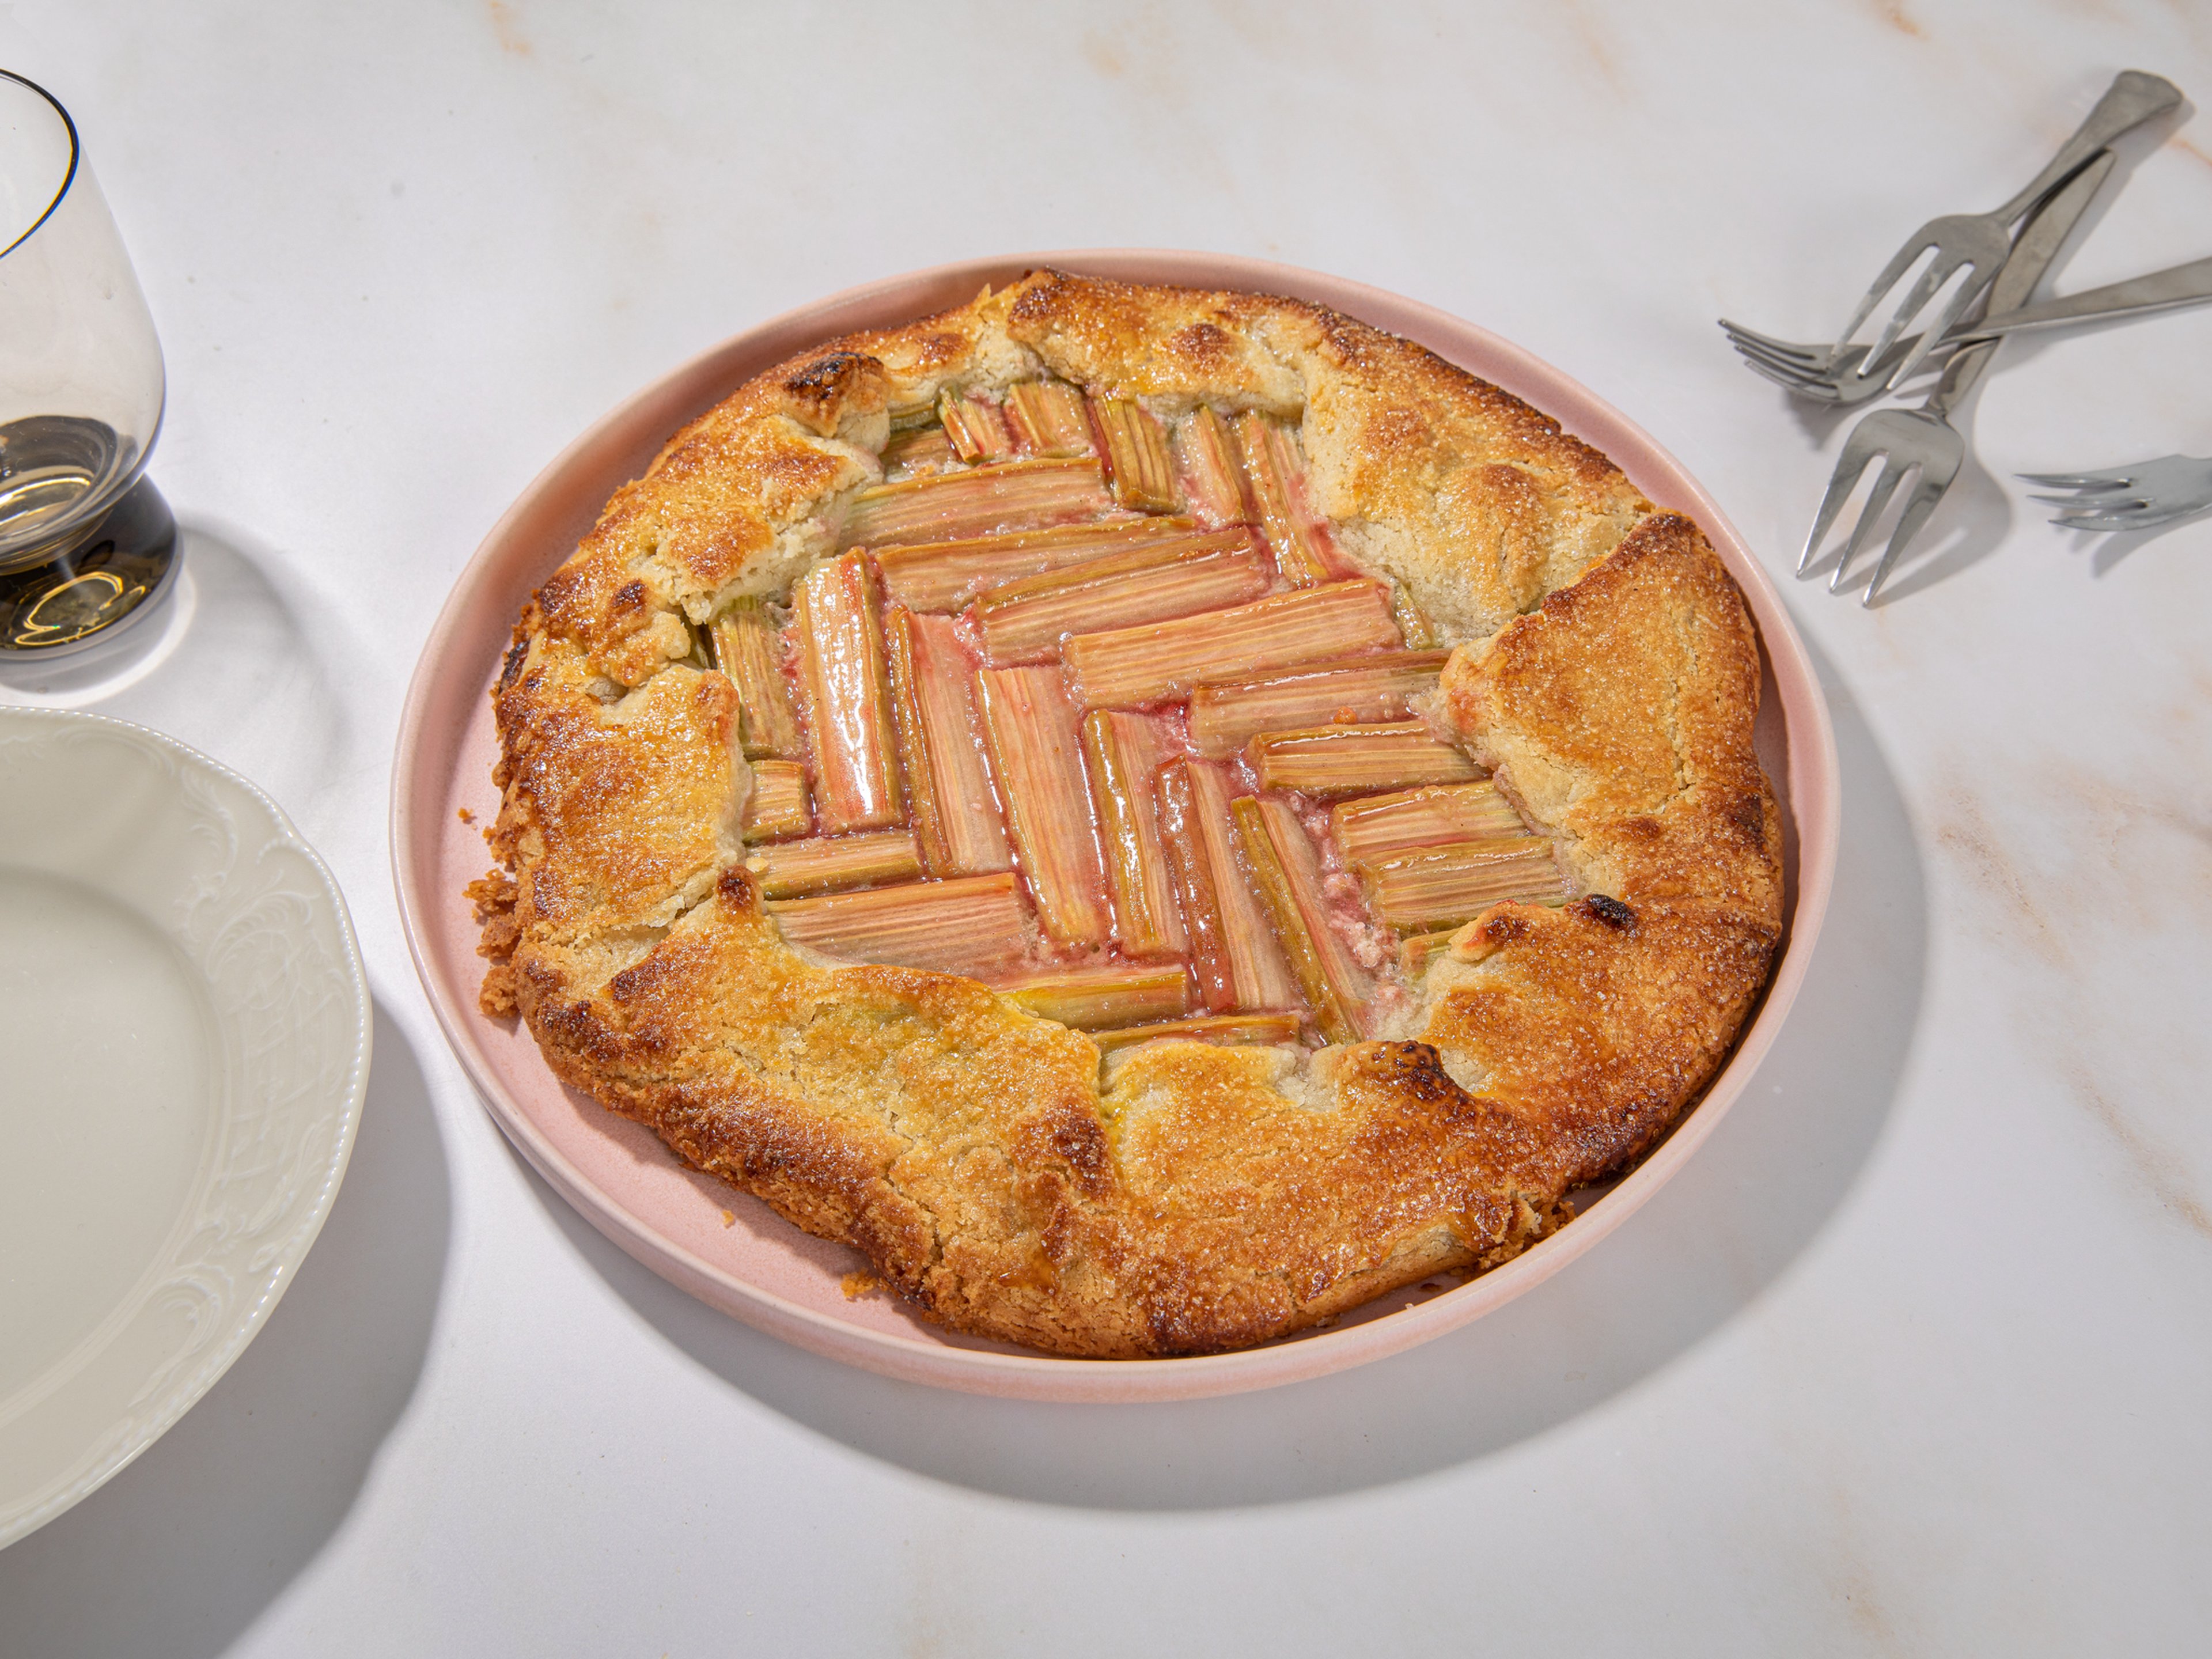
(1817,390)
(1789,374)
(2121,476)
(2152,520)
(1886,486)
(2122,520)
(1799,366)
(1780,351)
(1751,346)
(1792,377)
(1908,525)
(1915,301)
(2109,506)
(1935,331)
(1841,482)
(1743,336)
(1768,372)
(2090,496)
(1882,285)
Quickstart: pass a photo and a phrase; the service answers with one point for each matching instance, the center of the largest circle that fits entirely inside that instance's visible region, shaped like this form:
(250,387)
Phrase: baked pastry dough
(1105,1195)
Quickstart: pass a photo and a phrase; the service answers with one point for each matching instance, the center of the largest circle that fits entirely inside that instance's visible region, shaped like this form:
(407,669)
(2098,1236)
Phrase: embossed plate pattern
(184,1045)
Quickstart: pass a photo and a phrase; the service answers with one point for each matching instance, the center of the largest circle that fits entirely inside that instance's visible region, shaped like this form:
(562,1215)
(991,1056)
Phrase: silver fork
(1838,374)
(1924,439)
(1977,242)
(2138,497)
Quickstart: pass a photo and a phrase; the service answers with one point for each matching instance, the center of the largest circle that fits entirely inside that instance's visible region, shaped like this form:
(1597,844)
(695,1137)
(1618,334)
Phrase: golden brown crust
(1182,1198)
(1433,476)
(1621,713)
(1593,1023)
(968,1150)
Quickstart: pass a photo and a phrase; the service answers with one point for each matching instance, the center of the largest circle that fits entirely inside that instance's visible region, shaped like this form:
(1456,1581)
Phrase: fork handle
(2132,99)
(2162,290)
(2038,245)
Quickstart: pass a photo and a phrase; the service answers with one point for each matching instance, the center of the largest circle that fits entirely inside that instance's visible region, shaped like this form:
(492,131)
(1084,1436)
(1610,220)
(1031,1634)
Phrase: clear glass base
(112,574)
(49,464)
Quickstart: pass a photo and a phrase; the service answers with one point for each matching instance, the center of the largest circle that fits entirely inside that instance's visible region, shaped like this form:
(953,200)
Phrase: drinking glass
(86,541)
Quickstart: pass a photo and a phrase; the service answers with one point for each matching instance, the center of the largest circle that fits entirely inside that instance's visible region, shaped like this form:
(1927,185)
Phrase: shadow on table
(1749,1204)
(237,662)
(181,1551)
(2106,549)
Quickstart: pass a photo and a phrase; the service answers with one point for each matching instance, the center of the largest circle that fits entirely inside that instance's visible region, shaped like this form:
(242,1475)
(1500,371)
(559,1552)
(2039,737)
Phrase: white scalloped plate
(184,1045)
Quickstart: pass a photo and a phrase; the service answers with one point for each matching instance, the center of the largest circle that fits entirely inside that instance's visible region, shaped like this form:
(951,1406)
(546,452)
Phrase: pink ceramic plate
(730,1251)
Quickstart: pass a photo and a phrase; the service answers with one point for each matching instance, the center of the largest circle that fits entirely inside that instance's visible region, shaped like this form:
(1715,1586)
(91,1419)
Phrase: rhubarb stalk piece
(1448,885)
(830,865)
(1335,761)
(1126,752)
(1223,718)
(1094,998)
(845,695)
(1206,463)
(946,575)
(1131,667)
(1233,950)
(1286,873)
(777,810)
(1412,622)
(975,428)
(1037,756)
(1304,549)
(1025,620)
(1010,496)
(975,925)
(1183,845)
(926,450)
(1385,826)
(747,651)
(1137,459)
(1047,418)
(1259,1029)
(948,786)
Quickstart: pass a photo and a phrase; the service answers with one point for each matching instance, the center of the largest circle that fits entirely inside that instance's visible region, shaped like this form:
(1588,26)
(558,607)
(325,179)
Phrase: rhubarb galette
(1158,816)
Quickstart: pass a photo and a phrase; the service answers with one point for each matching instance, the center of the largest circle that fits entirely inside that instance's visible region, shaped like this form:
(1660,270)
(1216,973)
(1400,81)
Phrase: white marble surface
(1914,1357)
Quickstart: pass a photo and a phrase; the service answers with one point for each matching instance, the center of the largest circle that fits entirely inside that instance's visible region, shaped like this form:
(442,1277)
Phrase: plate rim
(253,1315)
(1811,791)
